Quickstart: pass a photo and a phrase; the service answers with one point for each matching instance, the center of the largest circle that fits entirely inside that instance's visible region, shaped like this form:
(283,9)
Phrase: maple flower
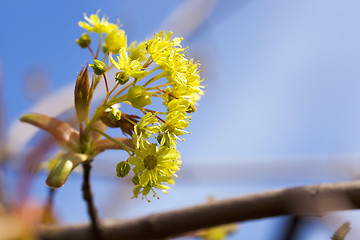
(115,40)
(142,130)
(138,52)
(154,166)
(94,24)
(132,68)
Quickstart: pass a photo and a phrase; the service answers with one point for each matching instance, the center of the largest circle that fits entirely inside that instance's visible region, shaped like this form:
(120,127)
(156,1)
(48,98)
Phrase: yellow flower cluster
(154,68)
(115,38)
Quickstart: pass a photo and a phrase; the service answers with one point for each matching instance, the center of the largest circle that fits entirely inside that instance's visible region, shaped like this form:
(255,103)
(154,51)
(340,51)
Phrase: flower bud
(115,40)
(82,95)
(99,67)
(191,108)
(139,97)
(122,77)
(84,41)
(114,115)
(122,169)
(136,179)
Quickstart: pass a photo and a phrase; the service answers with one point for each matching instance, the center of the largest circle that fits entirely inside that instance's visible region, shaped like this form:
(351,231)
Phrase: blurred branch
(307,200)
(292,228)
(342,231)
(88,197)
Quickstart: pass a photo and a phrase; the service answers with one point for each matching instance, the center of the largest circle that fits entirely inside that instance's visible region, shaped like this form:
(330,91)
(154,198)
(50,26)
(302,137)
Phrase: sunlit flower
(132,68)
(115,40)
(138,52)
(94,24)
(147,125)
(154,166)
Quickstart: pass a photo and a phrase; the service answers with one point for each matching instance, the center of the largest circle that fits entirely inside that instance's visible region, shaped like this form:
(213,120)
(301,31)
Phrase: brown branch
(88,197)
(308,200)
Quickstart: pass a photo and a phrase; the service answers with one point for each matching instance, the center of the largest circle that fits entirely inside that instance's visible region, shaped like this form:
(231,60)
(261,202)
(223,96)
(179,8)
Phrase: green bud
(191,108)
(136,179)
(99,67)
(84,41)
(139,97)
(159,138)
(122,169)
(121,77)
(114,115)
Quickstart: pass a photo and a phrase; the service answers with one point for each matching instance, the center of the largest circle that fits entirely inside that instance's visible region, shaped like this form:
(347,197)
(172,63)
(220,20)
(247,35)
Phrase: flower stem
(99,45)
(91,51)
(88,197)
(106,84)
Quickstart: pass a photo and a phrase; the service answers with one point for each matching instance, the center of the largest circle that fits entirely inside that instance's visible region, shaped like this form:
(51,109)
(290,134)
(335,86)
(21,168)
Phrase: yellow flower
(147,126)
(181,72)
(94,24)
(138,52)
(132,68)
(115,40)
(154,166)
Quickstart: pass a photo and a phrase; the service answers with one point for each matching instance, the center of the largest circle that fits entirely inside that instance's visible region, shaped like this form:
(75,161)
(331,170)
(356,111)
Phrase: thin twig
(308,200)
(341,232)
(88,197)
(292,229)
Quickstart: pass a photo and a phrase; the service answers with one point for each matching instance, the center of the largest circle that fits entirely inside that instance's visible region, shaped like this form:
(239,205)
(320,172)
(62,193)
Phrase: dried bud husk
(83,94)
(121,77)
(122,169)
(66,137)
(84,41)
(99,67)
(139,96)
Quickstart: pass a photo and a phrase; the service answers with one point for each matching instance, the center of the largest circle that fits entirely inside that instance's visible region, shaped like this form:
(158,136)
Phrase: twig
(342,231)
(88,197)
(308,200)
(292,228)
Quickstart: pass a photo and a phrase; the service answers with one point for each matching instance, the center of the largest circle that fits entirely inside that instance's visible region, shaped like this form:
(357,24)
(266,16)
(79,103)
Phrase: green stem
(98,112)
(162,85)
(151,80)
(147,63)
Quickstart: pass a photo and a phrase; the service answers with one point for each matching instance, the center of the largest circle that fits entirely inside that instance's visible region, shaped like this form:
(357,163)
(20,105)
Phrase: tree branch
(308,200)
(88,197)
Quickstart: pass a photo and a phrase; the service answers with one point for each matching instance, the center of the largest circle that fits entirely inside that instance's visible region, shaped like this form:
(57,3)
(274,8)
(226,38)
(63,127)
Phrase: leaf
(63,167)
(102,145)
(65,136)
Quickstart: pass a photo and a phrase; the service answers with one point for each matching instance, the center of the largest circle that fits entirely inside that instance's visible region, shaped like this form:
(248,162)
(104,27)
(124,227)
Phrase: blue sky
(282,78)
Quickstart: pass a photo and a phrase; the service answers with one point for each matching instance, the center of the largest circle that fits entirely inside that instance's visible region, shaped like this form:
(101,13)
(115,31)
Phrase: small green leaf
(63,167)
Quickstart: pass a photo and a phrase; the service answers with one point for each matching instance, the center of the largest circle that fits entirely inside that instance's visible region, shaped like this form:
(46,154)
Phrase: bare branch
(308,200)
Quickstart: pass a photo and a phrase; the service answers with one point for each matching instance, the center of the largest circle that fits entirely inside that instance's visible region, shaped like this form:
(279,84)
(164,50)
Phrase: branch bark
(88,197)
(307,200)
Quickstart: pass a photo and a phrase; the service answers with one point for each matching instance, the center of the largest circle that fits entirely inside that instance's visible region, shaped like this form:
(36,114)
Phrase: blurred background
(281,106)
